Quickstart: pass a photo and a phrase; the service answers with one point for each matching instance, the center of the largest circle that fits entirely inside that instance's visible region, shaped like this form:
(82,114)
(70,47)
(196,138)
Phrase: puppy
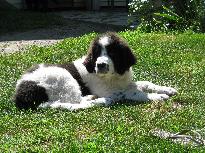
(101,77)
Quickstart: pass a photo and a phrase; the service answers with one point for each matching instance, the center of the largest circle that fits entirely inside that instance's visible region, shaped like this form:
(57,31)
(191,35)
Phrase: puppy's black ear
(93,53)
(89,64)
(121,54)
(127,58)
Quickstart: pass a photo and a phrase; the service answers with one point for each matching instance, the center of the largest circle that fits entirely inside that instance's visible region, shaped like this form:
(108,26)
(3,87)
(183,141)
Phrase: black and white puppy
(100,78)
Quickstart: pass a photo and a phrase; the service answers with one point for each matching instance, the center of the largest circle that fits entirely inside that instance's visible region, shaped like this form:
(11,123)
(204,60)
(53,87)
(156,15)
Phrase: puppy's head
(109,54)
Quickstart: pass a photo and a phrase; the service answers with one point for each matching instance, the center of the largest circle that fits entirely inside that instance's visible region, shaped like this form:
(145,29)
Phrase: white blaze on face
(104,58)
(104,41)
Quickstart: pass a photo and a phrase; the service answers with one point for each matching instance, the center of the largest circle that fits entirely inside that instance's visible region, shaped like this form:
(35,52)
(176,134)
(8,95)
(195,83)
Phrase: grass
(166,59)
(18,21)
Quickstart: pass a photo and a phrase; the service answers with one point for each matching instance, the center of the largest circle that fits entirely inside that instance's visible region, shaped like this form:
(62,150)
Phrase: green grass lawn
(176,60)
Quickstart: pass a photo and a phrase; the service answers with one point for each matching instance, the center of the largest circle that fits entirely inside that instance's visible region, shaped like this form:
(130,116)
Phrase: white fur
(104,58)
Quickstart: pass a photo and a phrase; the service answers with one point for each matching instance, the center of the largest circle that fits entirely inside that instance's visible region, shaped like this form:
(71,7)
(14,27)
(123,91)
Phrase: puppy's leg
(69,106)
(147,86)
(140,96)
(136,95)
(75,106)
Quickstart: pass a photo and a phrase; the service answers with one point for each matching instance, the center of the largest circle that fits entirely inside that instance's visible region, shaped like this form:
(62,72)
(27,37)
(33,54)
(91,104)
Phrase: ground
(76,23)
(18,41)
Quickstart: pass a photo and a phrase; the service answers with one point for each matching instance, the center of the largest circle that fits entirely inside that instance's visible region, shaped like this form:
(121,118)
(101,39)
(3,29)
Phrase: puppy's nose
(101,66)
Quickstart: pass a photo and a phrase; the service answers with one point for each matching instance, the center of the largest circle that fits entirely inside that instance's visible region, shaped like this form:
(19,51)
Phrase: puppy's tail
(29,95)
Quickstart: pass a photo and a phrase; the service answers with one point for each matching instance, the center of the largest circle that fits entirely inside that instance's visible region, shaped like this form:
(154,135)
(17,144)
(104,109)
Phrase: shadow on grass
(25,25)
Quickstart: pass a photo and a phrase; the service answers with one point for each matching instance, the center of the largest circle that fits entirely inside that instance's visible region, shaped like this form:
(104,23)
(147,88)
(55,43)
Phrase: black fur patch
(29,95)
(93,53)
(74,72)
(120,53)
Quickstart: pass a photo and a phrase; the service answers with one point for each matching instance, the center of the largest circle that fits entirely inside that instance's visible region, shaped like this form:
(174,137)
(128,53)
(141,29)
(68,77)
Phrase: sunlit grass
(166,59)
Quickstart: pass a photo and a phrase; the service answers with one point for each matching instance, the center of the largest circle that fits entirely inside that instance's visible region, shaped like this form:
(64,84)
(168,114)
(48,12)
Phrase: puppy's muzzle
(102,68)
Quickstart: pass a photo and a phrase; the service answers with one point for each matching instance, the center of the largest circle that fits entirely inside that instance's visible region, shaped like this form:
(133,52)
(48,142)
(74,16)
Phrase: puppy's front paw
(90,97)
(168,91)
(157,97)
(103,101)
